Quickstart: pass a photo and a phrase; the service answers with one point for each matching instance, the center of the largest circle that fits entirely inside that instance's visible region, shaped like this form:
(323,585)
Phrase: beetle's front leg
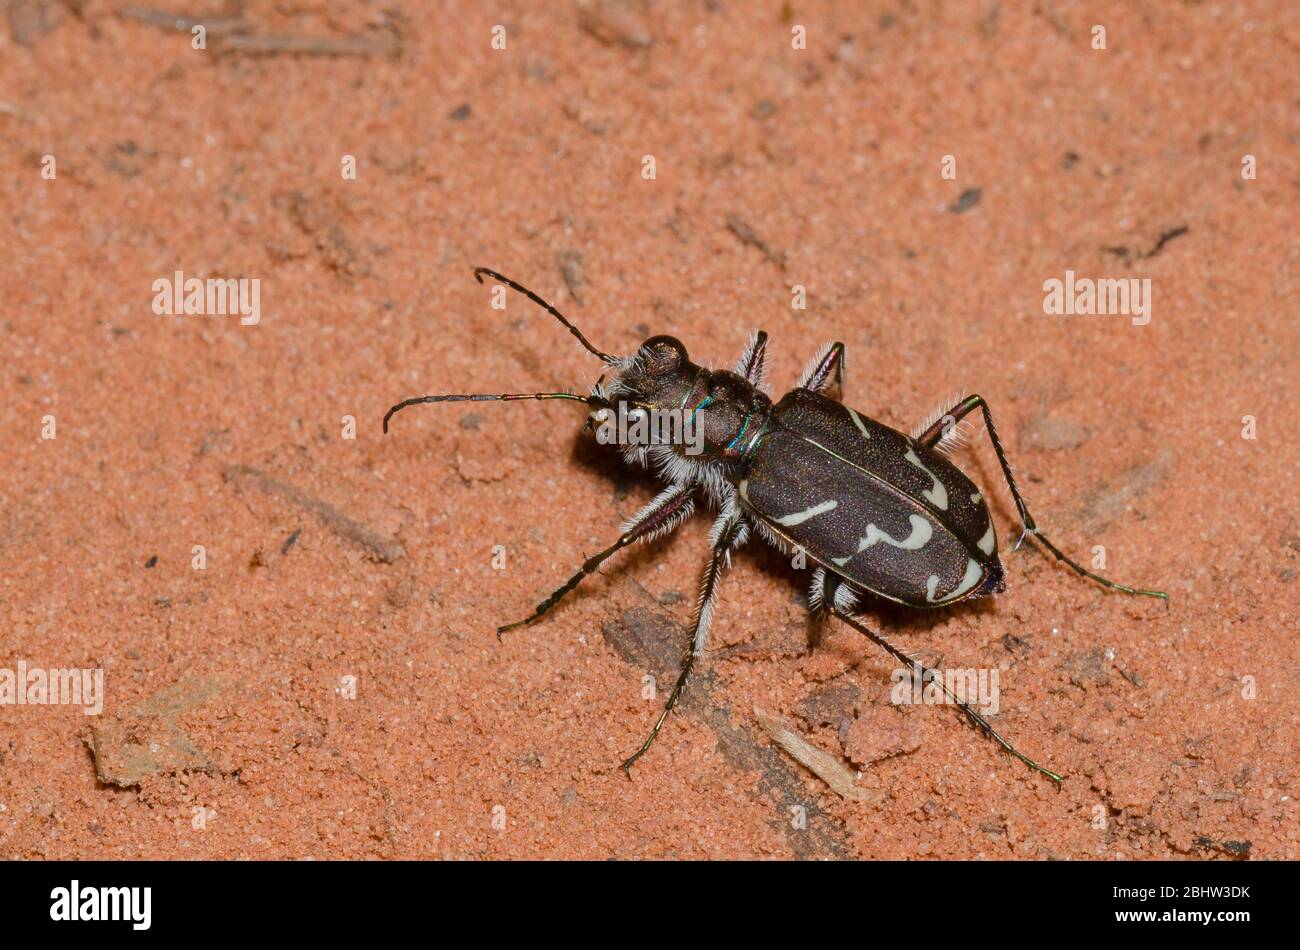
(825,372)
(729,532)
(673,506)
(933,435)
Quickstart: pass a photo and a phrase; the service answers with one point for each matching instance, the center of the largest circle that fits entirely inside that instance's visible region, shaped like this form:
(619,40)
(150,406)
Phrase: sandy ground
(295,621)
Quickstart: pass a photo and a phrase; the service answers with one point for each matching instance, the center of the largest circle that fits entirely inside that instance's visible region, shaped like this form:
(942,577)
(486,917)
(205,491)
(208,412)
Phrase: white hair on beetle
(742,364)
(684,470)
(846,598)
(957,436)
(704,613)
(665,496)
(817,590)
(811,367)
(729,520)
(769,536)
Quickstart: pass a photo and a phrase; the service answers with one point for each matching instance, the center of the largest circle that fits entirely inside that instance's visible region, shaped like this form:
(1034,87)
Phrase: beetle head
(659,376)
(651,388)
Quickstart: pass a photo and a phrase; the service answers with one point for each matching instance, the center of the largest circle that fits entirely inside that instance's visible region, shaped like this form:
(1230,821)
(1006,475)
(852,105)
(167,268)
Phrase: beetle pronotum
(878,512)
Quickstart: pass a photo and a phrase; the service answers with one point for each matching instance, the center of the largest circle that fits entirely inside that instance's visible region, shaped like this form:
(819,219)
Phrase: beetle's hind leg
(941,427)
(729,532)
(825,372)
(838,599)
(673,506)
(829,592)
(750,365)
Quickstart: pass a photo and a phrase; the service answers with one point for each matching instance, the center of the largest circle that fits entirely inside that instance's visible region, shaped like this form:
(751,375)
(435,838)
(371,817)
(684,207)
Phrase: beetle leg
(673,506)
(751,361)
(936,432)
(825,371)
(729,532)
(928,674)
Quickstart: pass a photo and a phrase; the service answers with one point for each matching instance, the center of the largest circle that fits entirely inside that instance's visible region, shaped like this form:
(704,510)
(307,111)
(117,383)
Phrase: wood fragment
(822,764)
(614,23)
(255,44)
(235,34)
(185,23)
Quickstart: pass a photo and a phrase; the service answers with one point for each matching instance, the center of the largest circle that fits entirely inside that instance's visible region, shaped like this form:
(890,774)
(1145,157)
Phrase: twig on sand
(236,35)
(378,44)
(822,764)
(184,22)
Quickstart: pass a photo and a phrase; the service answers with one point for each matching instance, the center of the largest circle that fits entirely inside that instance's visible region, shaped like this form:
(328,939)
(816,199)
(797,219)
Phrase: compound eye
(662,354)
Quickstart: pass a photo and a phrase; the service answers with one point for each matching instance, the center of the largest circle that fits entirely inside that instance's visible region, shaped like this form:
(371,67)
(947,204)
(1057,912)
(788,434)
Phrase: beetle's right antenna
(478,275)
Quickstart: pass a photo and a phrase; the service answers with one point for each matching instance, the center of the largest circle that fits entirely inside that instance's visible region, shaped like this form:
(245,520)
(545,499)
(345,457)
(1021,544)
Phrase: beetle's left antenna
(478,275)
(490,397)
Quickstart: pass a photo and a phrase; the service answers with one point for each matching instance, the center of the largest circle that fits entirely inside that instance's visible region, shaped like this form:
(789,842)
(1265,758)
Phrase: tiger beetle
(876,511)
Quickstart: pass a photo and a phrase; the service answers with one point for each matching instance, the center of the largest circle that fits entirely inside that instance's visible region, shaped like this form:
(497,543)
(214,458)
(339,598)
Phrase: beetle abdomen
(871,505)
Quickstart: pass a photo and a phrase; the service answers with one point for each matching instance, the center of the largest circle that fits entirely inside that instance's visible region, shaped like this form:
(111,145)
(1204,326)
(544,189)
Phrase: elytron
(876,512)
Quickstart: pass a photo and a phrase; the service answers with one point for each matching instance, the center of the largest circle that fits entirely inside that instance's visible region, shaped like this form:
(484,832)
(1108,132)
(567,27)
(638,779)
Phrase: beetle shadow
(626,480)
(607,462)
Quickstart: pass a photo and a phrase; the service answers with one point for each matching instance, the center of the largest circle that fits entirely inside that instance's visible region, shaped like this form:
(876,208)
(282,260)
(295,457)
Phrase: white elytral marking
(986,542)
(857,421)
(936,494)
(922,531)
(931,586)
(976,498)
(800,517)
(841,561)
(973,573)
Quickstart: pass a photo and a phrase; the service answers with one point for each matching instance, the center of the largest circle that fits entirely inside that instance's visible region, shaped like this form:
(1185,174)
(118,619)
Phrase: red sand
(774,167)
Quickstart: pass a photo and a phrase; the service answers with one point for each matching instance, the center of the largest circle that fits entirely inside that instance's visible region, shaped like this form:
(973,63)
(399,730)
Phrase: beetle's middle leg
(933,435)
(729,532)
(672,506)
